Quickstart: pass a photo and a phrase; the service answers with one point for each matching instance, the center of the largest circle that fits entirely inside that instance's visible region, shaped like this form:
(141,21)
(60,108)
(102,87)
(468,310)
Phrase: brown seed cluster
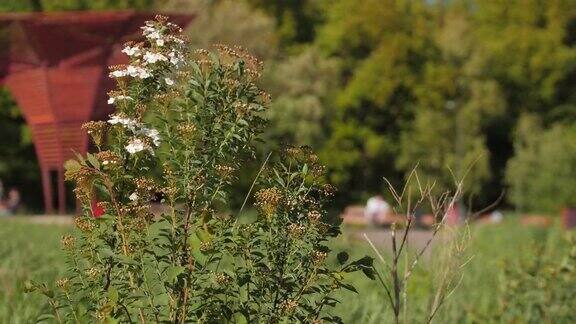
(328,190)
(93,272)
(225,171)
(84,178)
(296,230)
(186,129)
(68,242)
(205,246)
(288,305)
(63,283)
(96,130)
(268,200)
(253,65)
(145,185)
(318,257)
(222,279)
(109,159)
(314,216)
(266,98)
(241,108)
(84,223)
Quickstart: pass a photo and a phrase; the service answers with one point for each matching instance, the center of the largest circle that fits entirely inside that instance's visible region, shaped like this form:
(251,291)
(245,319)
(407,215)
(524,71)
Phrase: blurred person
(12,202)
(376,209)
(496,217)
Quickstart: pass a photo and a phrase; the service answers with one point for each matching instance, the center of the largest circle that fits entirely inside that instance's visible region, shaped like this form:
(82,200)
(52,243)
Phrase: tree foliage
(542,172)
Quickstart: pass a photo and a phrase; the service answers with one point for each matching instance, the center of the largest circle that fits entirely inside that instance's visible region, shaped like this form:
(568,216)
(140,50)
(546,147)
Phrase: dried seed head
(161,19)
(318,257)
(222,279)
(186,129)
(241,108)
(293,152)
(205,246)
(318,169)
(314,216)
(68,242)
(81,195)
(63,283)
(268,200)
(328,190)
(84,224)
(109,159)
(296,230)
(145,185)
(224,171)
(96,130)
(93,272)
(266,98)
(288,305)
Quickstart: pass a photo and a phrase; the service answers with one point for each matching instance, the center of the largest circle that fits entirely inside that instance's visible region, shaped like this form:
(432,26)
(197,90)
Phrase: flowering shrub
(183,124)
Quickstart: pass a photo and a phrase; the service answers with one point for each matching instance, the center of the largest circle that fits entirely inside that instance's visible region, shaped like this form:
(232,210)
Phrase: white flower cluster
(143,57)
(136,145)
(112,100)
(133,71)
(132,51)
(151,57)
(154,35)
(133,196)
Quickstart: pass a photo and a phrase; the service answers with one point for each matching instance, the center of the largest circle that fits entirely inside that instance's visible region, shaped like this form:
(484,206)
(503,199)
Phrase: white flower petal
(135,145)
(131,51)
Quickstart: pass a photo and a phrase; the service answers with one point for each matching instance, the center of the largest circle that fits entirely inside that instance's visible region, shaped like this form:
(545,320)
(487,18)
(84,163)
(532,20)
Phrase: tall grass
(27,251)
(480,295)
(32,251)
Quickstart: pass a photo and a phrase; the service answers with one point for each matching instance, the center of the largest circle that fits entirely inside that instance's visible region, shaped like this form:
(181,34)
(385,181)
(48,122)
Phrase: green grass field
(32,252)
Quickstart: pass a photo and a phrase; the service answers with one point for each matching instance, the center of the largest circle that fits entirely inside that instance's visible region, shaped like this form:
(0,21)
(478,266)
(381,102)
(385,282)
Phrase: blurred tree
(383,46)
(454,101)
(541,174)
(442,84)
(528,49)
(296,20)
(301,86)
(231,23)
(18,164)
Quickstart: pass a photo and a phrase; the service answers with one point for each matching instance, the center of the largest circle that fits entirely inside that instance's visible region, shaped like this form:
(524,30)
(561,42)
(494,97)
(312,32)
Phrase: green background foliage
(378,86)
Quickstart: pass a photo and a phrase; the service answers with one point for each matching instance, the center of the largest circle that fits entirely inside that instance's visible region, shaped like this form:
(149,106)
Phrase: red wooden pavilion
(56,66)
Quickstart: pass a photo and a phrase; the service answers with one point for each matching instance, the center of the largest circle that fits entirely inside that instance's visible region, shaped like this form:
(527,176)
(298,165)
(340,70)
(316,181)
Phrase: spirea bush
(184,122)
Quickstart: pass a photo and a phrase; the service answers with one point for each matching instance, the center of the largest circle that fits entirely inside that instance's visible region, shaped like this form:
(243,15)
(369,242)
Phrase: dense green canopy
(380,86)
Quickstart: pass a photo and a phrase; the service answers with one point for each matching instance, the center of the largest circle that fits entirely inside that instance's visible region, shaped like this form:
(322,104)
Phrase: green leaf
(113,296)
(44,317)
(173,272)
(239,318)
(342,257)
(349,287)
(92,159)
(72,166)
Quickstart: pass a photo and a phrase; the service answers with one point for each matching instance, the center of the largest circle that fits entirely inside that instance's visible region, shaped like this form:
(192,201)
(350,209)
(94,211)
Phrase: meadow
(511,275)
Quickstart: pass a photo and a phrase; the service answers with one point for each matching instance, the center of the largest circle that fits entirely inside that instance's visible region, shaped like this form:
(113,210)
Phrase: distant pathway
(382,237)
(42,219)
